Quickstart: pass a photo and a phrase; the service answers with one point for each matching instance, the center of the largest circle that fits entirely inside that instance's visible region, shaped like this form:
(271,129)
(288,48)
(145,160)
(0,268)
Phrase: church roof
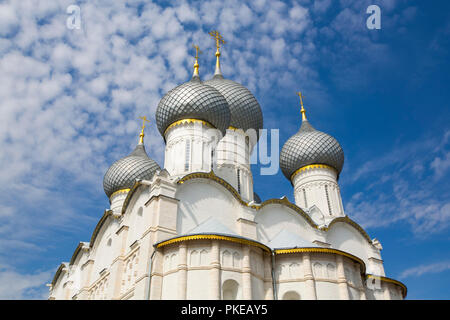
(287,239)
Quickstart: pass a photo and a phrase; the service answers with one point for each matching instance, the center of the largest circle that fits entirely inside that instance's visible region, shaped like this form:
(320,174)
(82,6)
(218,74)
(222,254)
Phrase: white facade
(194,237)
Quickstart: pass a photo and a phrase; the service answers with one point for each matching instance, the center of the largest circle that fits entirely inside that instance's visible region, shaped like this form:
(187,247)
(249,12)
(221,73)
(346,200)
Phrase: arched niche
(291,295)
(230,290)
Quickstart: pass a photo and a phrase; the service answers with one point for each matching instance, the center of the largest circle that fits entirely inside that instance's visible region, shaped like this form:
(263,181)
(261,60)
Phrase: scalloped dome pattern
(245,110)
(123,173)
(310,146)
(193,100)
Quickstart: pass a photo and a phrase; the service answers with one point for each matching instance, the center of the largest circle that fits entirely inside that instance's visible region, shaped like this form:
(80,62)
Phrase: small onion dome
(193,100)
(310,146)
(245,110)
(124,172)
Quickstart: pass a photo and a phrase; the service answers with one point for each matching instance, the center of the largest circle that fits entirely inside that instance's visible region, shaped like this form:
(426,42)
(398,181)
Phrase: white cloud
(440,165)
(425,269)
(396,187)
(22,286)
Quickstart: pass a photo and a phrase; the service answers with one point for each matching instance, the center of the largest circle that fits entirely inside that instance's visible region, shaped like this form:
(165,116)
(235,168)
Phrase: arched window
(187,155)
(204,258)
(226,259)
(328,199)
(294,270)
(194,258)
(318,270)
(291,295)
(230,290)
(331,271)
(239,180)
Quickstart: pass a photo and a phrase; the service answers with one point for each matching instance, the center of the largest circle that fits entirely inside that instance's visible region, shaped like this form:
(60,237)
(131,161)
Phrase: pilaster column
(86,270)
(386,293)
(246,275)
(116,269)
(342,281)
(214,273)
(182,271)
(156,276)
(310,283)
(268,283)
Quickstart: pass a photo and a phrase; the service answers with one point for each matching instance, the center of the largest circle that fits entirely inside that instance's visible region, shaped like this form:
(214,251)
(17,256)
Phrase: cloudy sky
(70,101)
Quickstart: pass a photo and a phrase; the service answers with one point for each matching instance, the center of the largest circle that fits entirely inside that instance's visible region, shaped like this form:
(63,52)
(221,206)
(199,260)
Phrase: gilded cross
(217,36)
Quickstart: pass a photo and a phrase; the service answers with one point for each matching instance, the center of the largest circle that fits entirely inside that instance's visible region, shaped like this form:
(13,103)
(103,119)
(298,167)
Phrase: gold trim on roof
(78,249)
(129,196)
(99,225)
(183,121)
(323,250)
(283,201)
(58,273)
(311,166)
(349,221)
(386,279)
(119,191)
(214,237)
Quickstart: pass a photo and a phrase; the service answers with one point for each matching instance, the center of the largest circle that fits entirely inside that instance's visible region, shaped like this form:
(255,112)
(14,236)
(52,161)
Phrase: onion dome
(123,173)
(193,100)
(245,110)
(310,146)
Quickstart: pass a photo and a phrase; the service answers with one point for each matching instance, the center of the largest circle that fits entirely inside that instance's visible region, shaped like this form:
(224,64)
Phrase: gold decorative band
(385,279)
(119,191)
(311,166)
(323,250)
(214,237)
(183,121)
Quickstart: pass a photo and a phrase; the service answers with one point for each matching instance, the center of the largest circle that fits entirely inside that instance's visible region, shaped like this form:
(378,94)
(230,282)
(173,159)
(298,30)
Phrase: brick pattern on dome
(124,172)
(245,110)
(310,146)
(193,100)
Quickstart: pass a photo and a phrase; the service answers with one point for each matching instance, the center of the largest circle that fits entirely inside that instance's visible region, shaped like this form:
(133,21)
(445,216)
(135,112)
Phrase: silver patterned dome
(245,110)
(124,172)
(193,100)
(310,146)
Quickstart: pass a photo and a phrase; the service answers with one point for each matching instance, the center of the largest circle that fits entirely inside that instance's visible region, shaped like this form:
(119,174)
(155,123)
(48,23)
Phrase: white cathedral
(196,230)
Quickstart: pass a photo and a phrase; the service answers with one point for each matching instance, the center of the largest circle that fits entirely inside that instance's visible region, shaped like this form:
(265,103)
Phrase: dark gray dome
(310,146)
(124,172)
(245,110)
(193,100)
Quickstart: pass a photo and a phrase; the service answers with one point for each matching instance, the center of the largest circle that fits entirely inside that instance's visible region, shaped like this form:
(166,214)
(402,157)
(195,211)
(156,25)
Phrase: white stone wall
(232,162)
(188,148)
(116,265)
(318,187)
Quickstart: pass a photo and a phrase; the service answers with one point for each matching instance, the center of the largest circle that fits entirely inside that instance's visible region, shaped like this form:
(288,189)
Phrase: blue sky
(70,101)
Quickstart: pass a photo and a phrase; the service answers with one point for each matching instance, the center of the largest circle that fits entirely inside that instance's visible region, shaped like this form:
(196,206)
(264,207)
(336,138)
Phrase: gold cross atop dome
(141,136)
(219,39)
(197,52)
(302,110)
